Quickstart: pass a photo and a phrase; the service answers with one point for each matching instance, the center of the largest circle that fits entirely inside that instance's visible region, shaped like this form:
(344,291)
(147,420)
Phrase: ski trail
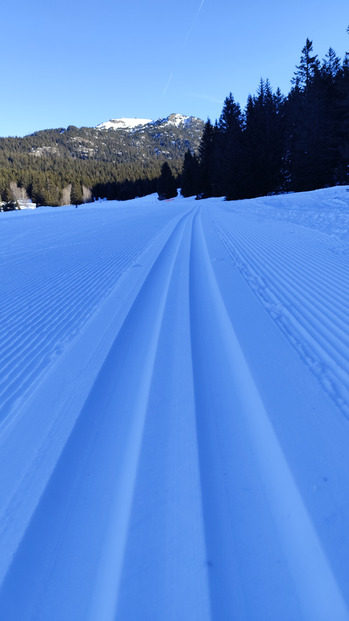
(53,299)
(316,587)
(165,453)
(34,434)
(165,558)
(106,589)
(94,480)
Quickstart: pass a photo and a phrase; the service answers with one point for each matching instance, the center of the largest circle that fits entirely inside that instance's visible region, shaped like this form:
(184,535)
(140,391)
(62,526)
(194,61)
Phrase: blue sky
(70,62)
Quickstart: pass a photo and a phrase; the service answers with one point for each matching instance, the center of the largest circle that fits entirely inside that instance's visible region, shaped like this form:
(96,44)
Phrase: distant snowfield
(134,123)
(174,410)
(123,123)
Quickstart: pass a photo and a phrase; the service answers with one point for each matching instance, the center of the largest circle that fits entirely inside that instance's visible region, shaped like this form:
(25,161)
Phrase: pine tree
(306,132)
(342,127)
(264,141)
(190,175)
(333,119)
(229,160)
(167,186)
(10,204)
(76,197)
(307,68)
(206,180)
(7,195)
(331,66)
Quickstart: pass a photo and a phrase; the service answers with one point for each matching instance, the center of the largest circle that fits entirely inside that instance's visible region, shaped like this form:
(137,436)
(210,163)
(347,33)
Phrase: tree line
(57,181)
(55,167)
(277,144)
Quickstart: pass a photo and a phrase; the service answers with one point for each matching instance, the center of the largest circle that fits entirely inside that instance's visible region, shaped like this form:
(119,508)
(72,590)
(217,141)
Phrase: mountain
(113,152)
(134,124)
(129,139)
(117,140)
(129,124)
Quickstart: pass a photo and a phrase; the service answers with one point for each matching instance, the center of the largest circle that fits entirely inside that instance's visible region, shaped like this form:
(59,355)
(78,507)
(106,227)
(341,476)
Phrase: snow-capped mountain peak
(177,119)
(125,123)
(131,124)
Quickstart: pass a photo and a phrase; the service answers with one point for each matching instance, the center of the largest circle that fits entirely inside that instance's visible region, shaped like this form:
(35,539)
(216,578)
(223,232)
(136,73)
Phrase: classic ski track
(86,438)
(314,322)
(238,495)
(106,592)
(55,313)
(54,427)
(307,561)
(168,595)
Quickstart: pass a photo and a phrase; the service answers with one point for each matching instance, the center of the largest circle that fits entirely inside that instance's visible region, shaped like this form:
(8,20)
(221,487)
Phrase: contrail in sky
(184,43)
(167,84)
(194,21)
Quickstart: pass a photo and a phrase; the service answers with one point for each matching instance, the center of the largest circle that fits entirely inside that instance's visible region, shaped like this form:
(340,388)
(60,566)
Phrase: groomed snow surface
(174,440)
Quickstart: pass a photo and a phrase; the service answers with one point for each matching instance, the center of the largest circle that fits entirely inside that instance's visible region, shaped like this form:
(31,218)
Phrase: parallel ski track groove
(101,434)
(303,550)
(83,510)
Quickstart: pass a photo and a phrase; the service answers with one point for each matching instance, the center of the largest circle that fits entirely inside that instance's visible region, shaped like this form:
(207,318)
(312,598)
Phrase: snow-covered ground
(174,392)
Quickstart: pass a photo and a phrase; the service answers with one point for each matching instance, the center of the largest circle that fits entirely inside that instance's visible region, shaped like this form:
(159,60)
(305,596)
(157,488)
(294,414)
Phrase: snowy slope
(174,401)
(129,123)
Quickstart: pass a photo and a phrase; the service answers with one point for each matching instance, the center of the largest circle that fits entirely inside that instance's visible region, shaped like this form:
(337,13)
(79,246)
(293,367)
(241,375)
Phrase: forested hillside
(61,165)
(276,144)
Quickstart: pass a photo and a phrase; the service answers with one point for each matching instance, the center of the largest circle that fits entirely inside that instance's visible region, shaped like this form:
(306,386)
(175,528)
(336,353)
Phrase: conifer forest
(278,144)
(275,144)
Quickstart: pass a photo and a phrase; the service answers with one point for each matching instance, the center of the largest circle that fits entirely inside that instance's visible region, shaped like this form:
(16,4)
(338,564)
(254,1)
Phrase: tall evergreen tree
(331,66)
(342,127)
(264,141)
(76,197)
(229,161)
(10,204)
(167,186)
(305,118)
(206,180)
(332,118)
(307,68)
(190,175)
